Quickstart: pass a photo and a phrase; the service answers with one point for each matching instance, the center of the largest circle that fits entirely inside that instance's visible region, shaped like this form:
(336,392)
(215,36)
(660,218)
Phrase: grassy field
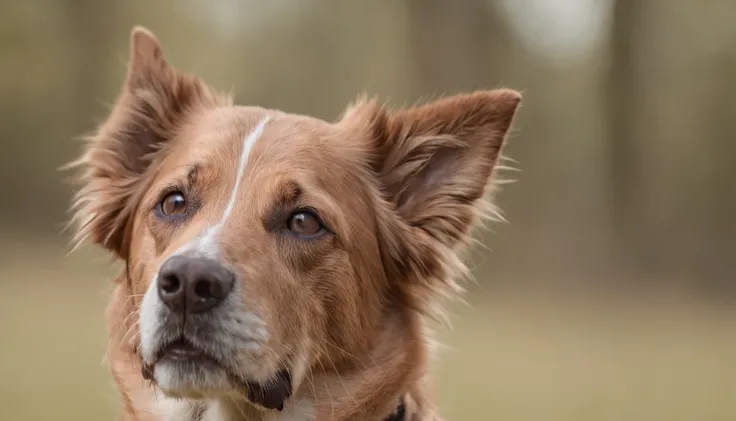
(512,355)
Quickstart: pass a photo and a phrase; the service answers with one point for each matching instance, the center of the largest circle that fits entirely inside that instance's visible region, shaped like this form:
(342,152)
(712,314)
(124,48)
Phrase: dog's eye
(173,203)
(304,223)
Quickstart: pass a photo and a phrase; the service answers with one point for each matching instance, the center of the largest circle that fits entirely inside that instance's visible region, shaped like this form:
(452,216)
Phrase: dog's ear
(434,164)
(153,103)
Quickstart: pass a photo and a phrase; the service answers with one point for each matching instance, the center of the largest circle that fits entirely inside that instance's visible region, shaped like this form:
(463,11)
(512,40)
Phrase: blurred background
(609,295)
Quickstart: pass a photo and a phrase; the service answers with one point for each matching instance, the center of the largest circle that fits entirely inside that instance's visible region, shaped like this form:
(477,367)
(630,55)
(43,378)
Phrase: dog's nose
(193,284)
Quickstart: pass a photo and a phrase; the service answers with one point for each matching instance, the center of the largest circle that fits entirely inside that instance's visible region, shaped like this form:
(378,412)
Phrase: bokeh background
(609,295)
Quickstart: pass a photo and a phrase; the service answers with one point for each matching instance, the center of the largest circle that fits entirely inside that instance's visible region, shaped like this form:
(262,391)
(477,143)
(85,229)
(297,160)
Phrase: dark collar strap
(398,414)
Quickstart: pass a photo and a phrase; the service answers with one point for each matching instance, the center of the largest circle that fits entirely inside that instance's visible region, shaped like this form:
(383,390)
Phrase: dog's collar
(398,414)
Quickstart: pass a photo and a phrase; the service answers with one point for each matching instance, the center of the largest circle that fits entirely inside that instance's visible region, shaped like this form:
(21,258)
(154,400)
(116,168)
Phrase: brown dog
(279,267)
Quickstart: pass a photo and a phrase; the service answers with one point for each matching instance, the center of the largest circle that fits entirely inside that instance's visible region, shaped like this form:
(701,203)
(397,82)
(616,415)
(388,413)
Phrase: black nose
(189,284)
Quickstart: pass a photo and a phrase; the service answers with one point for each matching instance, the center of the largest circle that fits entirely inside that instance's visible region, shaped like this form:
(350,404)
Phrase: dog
(277,266)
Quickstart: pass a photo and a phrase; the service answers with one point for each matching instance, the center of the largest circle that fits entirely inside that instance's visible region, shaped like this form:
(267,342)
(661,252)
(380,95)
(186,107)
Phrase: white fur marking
(248,143)
(171,409)
(205,242)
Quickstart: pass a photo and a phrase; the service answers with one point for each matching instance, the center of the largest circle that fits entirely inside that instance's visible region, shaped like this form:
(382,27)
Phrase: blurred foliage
(625,141)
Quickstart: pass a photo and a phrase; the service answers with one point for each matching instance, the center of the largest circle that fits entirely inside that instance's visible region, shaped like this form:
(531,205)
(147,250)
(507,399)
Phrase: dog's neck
(367,387)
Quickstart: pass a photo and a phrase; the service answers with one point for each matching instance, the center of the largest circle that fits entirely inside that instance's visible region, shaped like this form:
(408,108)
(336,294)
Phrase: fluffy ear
(154,101)
(434,164)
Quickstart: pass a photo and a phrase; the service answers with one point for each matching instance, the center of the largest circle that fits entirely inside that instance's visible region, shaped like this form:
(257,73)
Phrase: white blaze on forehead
(248,142)
(204,243)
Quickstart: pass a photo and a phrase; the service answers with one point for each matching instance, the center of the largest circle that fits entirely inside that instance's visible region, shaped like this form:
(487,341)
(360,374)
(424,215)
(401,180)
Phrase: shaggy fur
(396,192)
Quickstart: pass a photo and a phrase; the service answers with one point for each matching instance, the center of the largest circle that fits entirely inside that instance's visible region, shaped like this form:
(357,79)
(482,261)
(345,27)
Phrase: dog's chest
(169,409)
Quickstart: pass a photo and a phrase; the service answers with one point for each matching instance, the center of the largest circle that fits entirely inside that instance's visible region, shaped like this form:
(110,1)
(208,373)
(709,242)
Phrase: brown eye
(304,223)
(173,204)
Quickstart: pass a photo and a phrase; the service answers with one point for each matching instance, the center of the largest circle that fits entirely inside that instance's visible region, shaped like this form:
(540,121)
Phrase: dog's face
(260,244)
(253,235)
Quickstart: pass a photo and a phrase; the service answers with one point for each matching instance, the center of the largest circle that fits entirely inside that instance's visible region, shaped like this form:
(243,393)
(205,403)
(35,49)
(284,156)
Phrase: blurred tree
(95,27)
(455,47)
(717,262)
(623,135)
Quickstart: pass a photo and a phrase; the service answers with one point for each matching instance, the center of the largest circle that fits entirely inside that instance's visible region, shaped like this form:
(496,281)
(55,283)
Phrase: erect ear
(153,103)
(434,164)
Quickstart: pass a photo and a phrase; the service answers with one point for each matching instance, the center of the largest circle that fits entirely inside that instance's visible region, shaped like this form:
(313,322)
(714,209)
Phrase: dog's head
(260,244)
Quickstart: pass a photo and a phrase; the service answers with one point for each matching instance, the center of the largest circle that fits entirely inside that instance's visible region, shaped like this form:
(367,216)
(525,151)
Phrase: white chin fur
(189,380)
(149,322)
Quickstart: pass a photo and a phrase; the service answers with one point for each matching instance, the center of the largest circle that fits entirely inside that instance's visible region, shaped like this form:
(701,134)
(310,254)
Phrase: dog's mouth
(182,350)
(270,395)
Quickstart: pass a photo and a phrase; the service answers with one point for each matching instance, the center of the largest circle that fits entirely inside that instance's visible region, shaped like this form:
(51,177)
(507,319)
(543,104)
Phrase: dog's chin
(204,378)
(199,379)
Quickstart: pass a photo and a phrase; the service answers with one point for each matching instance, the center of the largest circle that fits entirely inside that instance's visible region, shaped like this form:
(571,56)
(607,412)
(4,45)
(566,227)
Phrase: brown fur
(399,189)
